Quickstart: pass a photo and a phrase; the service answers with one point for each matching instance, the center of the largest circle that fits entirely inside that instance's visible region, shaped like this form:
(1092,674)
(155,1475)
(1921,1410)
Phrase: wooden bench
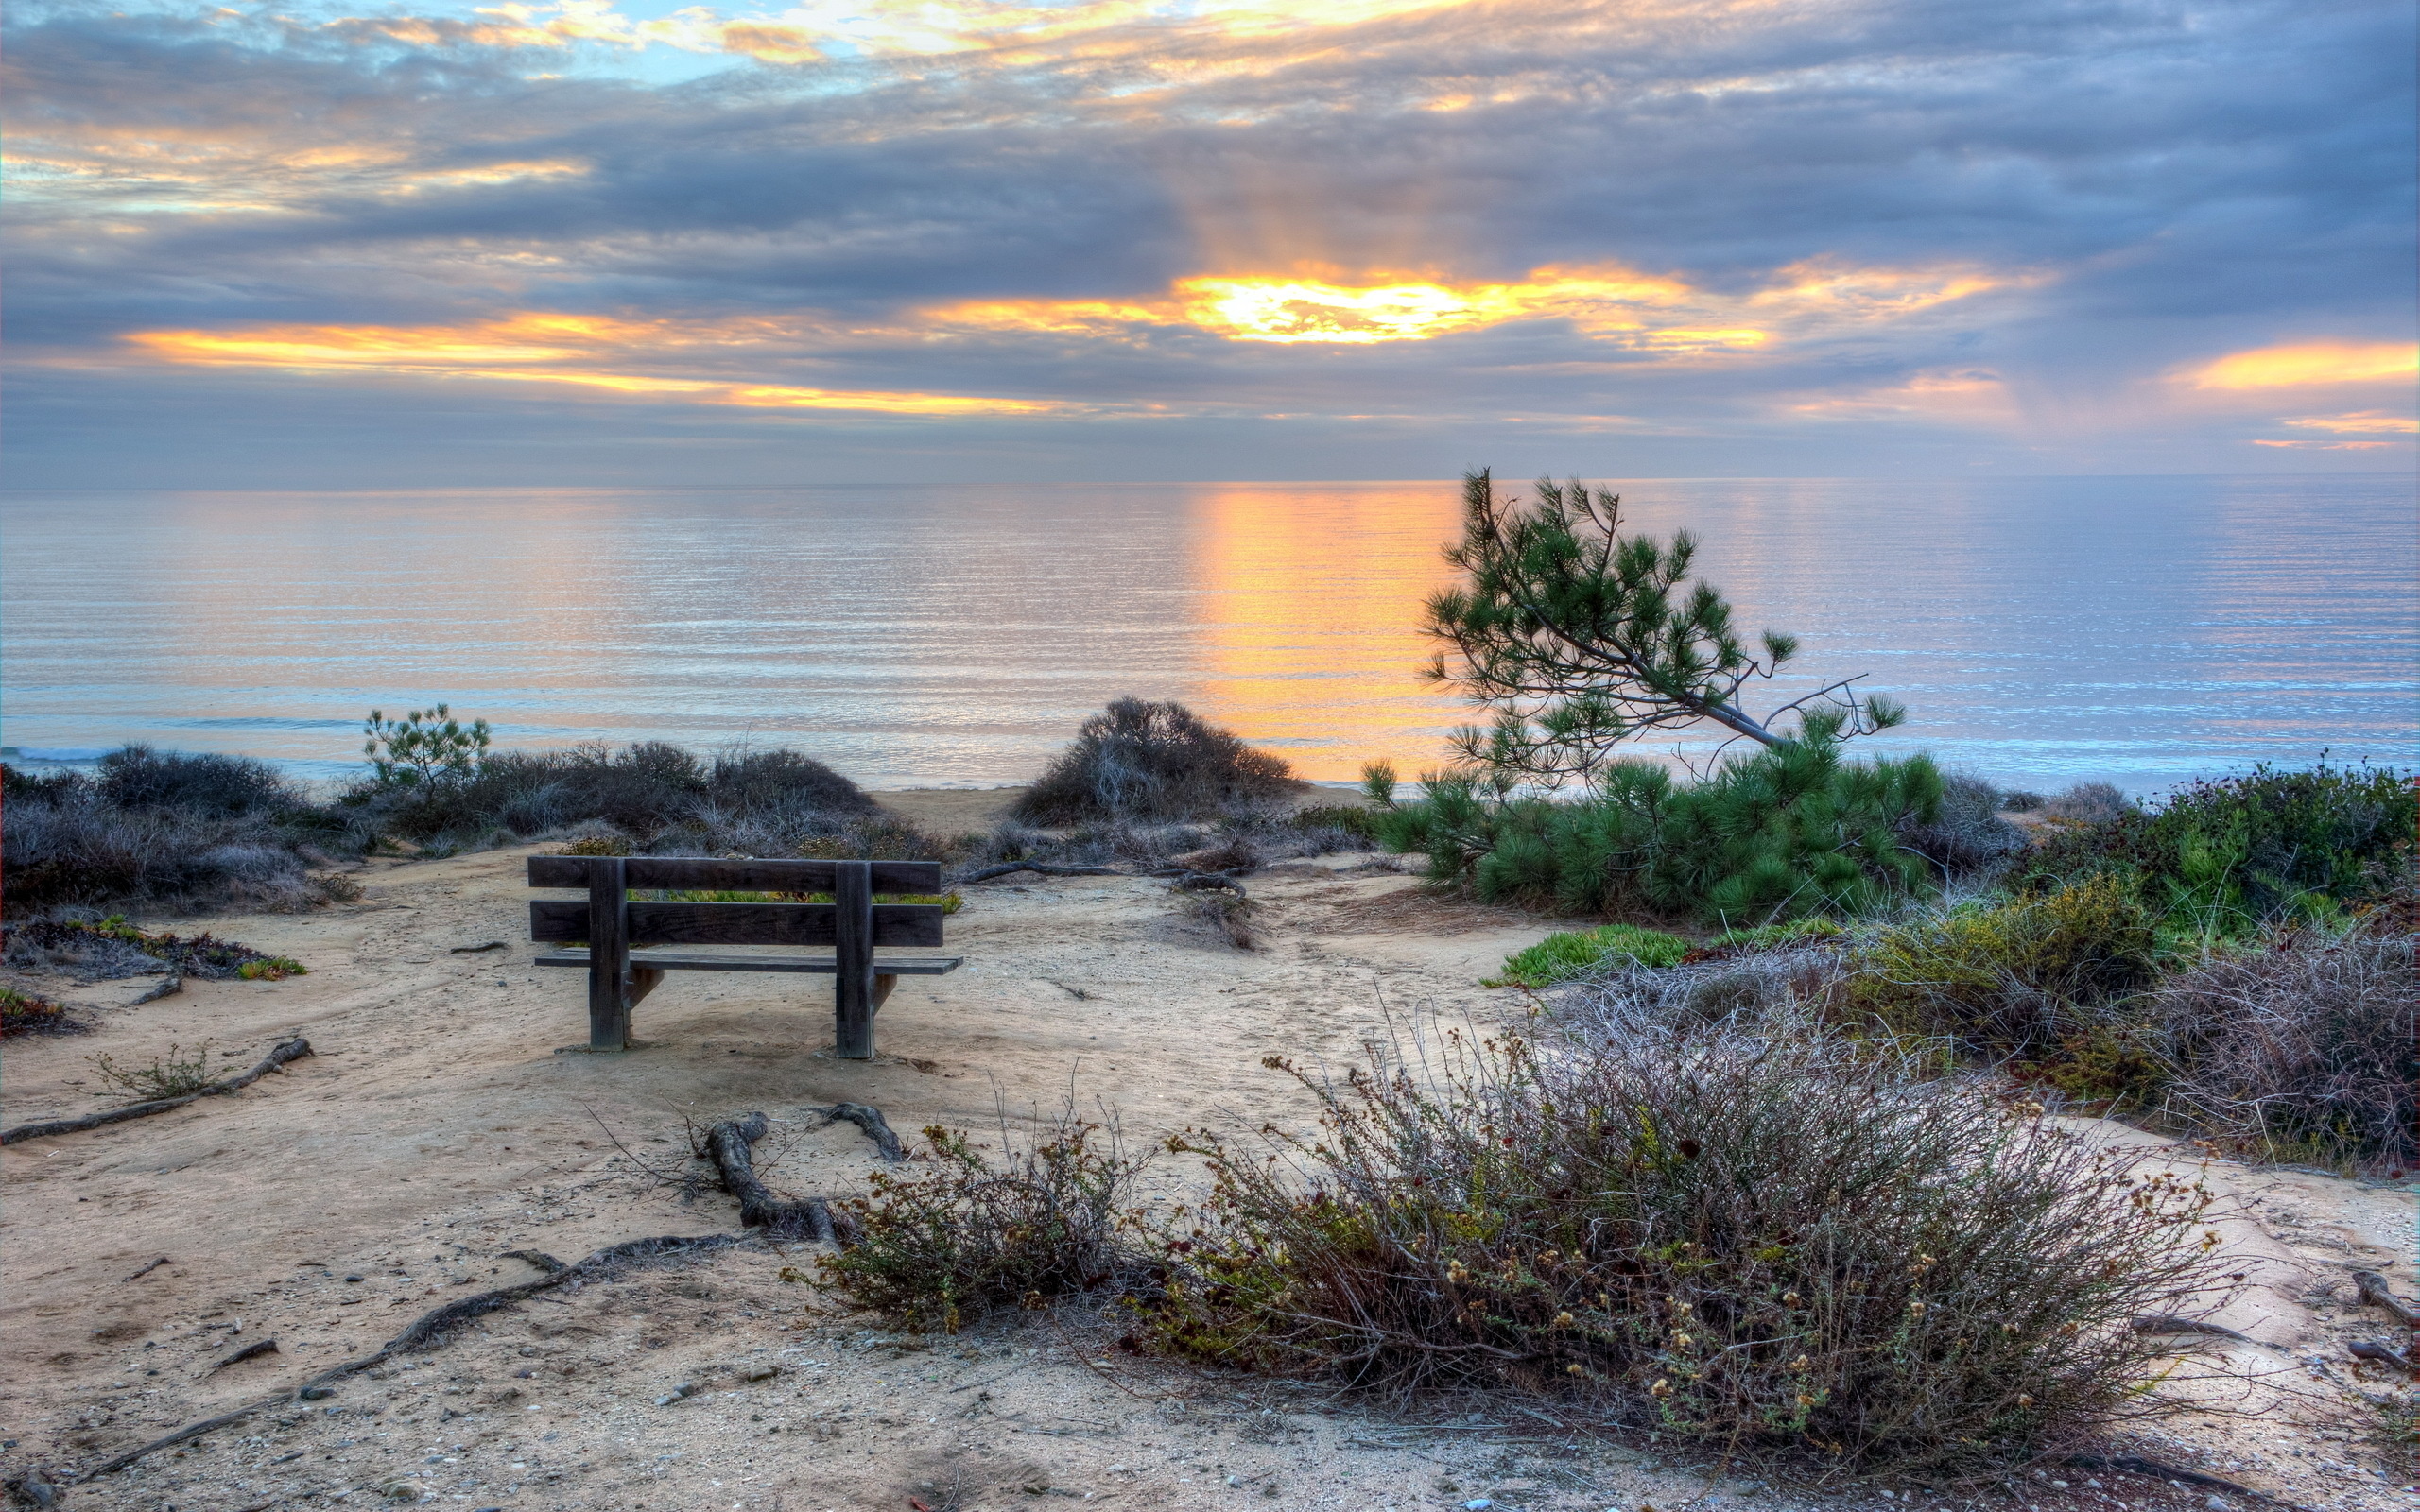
(620,941)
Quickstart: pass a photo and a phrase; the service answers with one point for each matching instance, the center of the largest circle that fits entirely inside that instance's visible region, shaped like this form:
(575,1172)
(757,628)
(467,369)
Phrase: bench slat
(670,961)
(911,924)
(709,873)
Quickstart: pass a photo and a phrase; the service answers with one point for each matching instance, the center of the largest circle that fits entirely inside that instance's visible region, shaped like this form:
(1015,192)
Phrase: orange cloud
(2310,363)
(580,351)
(2356,423)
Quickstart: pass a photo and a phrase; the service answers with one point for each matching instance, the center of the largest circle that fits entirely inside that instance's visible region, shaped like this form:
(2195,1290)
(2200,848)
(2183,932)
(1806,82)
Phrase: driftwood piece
(430,1328)
(1044,868)
(2374,1292)
(167,986)
(473,949)
(148,1269)
(727,1145)
(275,1060)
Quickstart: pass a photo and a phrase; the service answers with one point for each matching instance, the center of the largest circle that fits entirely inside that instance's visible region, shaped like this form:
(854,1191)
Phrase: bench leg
(609,955)
(852,989)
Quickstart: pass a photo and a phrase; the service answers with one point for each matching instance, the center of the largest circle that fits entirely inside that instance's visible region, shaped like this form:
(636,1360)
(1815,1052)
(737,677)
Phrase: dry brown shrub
(1767,1243)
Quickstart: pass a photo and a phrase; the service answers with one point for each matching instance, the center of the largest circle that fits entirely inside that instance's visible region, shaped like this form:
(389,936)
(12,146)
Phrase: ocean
(2042,631)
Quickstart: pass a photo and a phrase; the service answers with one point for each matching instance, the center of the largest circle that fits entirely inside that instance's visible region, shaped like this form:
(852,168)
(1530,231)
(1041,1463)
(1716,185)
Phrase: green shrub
(1350,818)
(114,941)
(27,1013)
(1781,833)
(1761,938)
(1562,956)
(2225,859)
(423,748)
(966,1237)
(1747,1243)
(2014,977)
(169,1076)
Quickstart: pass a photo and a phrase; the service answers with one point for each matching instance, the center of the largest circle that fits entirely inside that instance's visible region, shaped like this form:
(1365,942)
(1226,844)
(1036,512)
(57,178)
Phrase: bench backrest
(751,923)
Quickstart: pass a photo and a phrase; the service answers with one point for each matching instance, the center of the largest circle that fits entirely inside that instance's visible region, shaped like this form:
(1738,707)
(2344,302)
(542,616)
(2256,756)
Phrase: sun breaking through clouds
(626,242)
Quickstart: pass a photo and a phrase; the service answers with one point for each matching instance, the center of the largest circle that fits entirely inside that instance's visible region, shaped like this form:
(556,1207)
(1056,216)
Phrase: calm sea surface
(2042,631)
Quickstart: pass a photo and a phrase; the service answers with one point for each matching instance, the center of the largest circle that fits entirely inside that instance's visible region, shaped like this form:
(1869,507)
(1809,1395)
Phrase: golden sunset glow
(2316,362)
(1611,303)
(554,349)
(1277,663)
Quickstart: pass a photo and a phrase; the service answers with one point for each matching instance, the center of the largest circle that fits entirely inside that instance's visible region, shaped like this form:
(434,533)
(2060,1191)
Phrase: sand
(436,1128)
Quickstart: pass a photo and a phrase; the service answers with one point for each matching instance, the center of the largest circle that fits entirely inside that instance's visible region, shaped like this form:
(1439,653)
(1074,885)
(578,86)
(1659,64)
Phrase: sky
(604,242)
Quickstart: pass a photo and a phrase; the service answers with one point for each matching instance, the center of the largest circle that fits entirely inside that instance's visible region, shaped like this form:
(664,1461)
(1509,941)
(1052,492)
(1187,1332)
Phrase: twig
(275,1060)
(473,949)
(430,1328)
(2136,1465)
(660,1176)
(148,1269)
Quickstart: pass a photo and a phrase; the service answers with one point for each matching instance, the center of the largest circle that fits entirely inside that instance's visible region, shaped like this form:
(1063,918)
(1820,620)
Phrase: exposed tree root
(430,1330)
(2374,1292)
(1045,867)
(2136,1465)
(275,1060)
(727,1145)
(876,1127)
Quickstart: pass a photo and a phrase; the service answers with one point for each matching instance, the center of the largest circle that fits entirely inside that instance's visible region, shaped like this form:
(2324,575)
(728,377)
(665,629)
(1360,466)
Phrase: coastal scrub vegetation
(1154,763)
(1745,1241)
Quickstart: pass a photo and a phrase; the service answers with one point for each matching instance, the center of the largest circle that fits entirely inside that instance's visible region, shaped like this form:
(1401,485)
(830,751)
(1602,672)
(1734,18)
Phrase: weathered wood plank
(714,874)
(605,925)
(853,955)
(916,925)
(811,964)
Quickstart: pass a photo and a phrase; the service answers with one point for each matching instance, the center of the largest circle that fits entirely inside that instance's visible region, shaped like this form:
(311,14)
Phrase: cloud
(2311,362)
(1740,226)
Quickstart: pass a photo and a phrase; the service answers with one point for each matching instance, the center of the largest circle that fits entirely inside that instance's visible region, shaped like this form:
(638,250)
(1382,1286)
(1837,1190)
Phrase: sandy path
(436,1128)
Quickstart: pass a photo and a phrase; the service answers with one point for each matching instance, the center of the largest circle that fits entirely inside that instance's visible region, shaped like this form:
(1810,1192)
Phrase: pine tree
(1581,638)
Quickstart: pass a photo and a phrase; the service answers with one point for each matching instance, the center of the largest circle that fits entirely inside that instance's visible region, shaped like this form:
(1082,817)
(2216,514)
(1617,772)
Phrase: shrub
(1781,833)
(1139,760)
(1967,838)
(1760,937)
(112,947)
(137,777)
(2304,1051)
(1355,821)
(1228,913)
(1746,1242)
(166,1076)
(2012,978)
(2018,801)
(941,1249)
(2090,803)
(27,1013)
(78,851)
(2227,858)
(1560,956)
(1776,990)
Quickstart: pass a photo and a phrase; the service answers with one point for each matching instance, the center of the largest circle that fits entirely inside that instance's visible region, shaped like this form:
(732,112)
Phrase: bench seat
(826,965)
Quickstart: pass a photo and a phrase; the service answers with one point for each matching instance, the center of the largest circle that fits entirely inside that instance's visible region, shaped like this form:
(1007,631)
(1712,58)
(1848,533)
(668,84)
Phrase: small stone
(1479,1503)
(316,1393)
